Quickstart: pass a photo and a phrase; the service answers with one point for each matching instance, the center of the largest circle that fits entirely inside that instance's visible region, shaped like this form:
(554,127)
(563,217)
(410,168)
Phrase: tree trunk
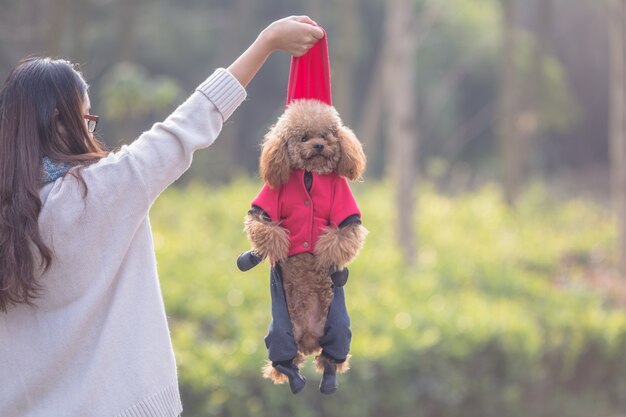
(33,14)
(234,39)
(527,118)
(509,139)
(617,125)
(58,10)
(402,137)
(344,68)
(372,114)
(79,16)
(374,111)
(127,12)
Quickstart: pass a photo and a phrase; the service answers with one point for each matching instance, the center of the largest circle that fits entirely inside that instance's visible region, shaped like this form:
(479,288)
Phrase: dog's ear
(352,162)
(274,163)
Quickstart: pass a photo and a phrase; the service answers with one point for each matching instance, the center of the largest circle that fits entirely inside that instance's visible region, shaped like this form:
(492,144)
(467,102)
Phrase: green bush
(494,320)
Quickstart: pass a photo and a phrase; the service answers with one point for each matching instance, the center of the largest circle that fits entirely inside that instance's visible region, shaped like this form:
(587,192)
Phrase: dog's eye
(304,138)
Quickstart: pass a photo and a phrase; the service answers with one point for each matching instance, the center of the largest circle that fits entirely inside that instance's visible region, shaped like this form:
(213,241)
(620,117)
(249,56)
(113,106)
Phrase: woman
(83,330)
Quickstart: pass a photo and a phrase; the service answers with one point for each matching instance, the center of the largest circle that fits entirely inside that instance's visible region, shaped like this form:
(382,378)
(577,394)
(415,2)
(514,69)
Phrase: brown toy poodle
(305,220)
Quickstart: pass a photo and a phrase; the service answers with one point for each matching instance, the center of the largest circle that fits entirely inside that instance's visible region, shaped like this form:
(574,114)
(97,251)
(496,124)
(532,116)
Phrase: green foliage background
(497,318)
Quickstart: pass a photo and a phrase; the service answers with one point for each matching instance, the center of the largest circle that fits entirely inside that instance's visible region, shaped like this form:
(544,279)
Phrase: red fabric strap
(309,75)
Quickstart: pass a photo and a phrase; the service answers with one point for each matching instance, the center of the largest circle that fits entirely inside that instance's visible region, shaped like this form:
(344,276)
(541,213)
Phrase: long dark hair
(38,94)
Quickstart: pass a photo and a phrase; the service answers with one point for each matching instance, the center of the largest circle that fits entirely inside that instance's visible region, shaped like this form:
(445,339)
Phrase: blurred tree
(617,123)
(511,157)
(580,43)
(130,95)
(344,68)
(58,11)
(456,96)
(127,16)
(402,136)
(373,112)
(79,16)
(531,97)
(456,91)
(223,162)
(545,105)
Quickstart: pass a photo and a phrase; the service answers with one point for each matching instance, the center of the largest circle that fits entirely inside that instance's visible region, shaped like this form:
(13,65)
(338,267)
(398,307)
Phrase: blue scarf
(51,170)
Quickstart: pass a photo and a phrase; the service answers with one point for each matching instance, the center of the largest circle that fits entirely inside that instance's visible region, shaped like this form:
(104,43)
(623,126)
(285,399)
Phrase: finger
(305,19)
(305,49)
(317,32)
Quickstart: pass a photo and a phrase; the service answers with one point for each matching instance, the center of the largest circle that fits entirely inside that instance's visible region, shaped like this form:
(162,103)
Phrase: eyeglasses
(92,122)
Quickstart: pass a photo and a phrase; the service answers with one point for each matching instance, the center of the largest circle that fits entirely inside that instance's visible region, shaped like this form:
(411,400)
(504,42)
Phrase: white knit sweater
(98,344)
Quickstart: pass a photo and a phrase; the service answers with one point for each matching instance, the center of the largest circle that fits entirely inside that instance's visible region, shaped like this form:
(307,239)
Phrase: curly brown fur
(309,135)
(268,239)
(308,293)
(269,372)
(342,367)
(338,246)
(352,162)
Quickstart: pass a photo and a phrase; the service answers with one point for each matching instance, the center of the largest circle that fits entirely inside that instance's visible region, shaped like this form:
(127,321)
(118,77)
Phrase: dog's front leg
(267,237)
(337,246)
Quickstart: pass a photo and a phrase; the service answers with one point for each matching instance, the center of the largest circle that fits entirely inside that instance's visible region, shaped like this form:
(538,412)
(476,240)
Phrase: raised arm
(164,153)
(295,35)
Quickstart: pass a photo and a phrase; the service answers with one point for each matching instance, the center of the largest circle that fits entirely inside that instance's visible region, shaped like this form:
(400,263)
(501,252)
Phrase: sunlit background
(492,282)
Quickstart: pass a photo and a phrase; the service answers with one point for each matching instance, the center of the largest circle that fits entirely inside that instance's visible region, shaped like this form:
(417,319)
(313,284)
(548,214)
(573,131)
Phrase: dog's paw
(336,247)
(268,239)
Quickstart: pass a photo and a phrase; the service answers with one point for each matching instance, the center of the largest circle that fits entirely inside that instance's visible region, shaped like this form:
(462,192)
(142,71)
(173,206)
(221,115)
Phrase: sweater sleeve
(165,152)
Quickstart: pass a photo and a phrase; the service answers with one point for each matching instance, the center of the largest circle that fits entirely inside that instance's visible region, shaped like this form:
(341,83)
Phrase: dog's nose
(318,147)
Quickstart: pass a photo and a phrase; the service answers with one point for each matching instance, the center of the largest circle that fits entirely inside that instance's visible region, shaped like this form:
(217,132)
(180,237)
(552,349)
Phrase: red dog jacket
(305,214)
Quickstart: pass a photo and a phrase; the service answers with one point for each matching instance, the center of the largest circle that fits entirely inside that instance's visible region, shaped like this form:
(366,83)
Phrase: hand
(294,34)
